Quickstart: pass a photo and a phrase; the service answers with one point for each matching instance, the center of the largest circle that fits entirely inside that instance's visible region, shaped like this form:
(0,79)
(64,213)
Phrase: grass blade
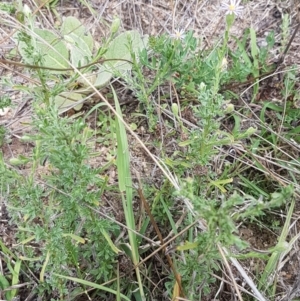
(125,186)
(92,284)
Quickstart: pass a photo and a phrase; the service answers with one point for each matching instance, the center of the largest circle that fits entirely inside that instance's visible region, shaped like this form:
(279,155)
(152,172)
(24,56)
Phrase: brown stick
(9,62)
(145,203)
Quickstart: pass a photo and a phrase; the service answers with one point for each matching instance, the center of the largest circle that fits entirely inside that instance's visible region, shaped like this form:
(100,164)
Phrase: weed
(7,7)
(54,213)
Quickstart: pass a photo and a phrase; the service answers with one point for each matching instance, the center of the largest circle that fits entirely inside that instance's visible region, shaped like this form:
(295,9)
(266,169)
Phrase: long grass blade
(125,186)
(92,284)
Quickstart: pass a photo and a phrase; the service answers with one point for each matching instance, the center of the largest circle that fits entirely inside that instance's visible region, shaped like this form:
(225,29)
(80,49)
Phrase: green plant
(51,52)
(57,215)
(165,57)
(220,217)
(10,280)
(2,134)
(66,233)
(5,101)
(8,7)
(125,187)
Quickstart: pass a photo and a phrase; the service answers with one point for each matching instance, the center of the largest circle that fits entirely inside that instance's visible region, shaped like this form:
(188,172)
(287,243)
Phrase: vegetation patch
(142,166)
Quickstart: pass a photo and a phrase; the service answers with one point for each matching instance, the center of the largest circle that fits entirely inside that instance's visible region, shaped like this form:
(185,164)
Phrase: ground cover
(149,150)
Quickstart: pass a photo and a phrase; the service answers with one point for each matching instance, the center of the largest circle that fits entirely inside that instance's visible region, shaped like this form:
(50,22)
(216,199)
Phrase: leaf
(30,259)
(176,290)
(220,184)
(111,244)
(187,246)
(54,58)
(91,284)
(68,100)
(118,296)
(27,240)
(98,80)
(73,26)
(15,279)
(3,282)
(244,55)
(75,237)
(3,285)
(42,274)
(51,58)
(5,250)
(19,161)
(119,49)
(80,53)
(77,40)
(125,185)
(104,76)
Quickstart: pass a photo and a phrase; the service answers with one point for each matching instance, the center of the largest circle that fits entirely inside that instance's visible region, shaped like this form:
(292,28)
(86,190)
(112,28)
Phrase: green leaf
(220,184)
(267,277)
(30,259)
(244,54)
(67,100)
(119,49)
(99,80)
(187,246)
(15,278)
(3,285)
(72,26)
(3,282)
(125,185)
(27,240)
(254,52)
(19,161)
(42,274)
(5,250)
(111,244)
(91,284)
(80,53)
(103,77)
(75,237)
(54,58)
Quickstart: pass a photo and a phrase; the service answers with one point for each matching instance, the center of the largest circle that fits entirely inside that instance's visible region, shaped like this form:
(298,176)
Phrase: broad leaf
(80,53)
(71,25)
(67,100)
(119,49)
(50,46)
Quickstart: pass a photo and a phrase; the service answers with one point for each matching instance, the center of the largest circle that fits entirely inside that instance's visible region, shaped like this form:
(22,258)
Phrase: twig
(145,203)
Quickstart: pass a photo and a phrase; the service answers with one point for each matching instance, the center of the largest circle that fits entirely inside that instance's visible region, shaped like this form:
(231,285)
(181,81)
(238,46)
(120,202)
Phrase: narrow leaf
(92,284)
